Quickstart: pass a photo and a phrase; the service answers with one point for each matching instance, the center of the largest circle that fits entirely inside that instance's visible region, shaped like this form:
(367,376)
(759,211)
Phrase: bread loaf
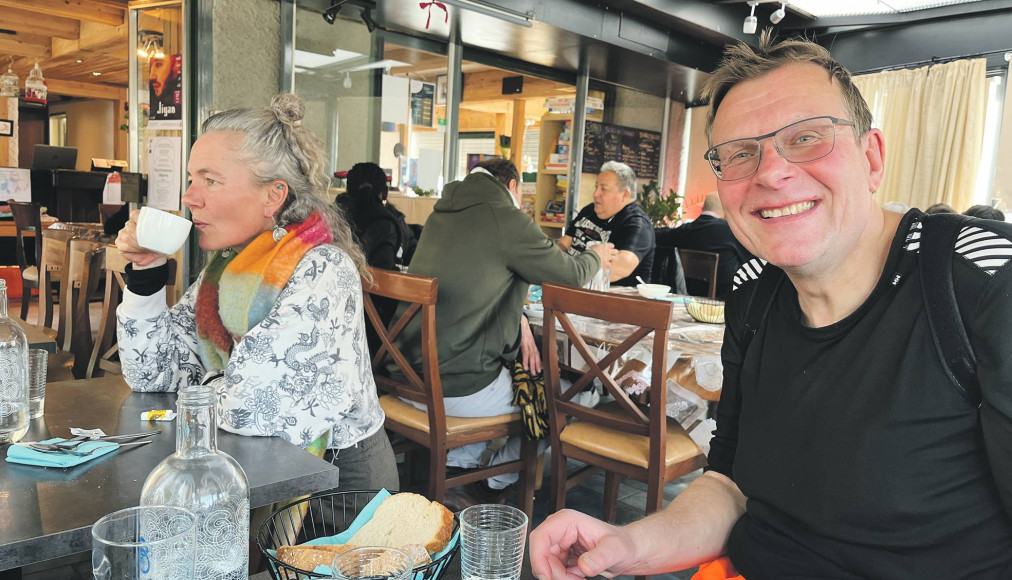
(407,518)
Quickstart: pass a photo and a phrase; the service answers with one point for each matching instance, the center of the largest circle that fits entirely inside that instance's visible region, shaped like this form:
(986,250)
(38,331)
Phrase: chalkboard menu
(422,97)
(637,148)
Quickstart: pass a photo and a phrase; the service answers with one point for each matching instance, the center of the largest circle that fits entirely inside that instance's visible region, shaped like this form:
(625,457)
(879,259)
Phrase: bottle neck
(3,301)
(196,421)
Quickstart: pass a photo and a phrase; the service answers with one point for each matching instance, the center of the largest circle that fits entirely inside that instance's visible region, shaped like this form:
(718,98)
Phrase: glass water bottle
(13,375)
(207,482)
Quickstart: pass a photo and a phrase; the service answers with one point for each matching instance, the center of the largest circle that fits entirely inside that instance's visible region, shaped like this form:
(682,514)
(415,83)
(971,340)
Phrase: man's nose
(772,165)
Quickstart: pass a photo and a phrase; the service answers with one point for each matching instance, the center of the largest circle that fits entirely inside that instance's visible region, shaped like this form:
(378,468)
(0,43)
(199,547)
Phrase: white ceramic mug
(160,231)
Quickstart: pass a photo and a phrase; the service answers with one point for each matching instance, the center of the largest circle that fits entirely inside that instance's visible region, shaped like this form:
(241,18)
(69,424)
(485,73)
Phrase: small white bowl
(653,290)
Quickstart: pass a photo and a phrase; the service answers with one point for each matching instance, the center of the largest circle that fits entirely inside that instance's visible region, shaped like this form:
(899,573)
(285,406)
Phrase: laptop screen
(52,157)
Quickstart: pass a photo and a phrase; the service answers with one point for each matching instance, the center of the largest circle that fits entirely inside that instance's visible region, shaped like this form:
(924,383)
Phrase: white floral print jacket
(304,369)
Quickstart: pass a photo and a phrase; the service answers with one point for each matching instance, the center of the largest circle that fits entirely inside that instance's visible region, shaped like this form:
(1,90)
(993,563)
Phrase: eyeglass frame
(836,121)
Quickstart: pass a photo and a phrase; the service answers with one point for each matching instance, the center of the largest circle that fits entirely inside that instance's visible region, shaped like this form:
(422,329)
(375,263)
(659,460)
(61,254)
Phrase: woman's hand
(126,243)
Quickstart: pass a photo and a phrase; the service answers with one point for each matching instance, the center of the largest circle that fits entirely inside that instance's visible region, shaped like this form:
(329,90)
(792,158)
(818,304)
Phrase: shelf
(555,172)
(551,224)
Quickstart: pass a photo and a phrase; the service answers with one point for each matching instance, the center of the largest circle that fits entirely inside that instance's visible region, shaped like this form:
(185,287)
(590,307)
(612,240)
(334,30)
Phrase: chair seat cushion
(626,447)
(406,414)
(31,273)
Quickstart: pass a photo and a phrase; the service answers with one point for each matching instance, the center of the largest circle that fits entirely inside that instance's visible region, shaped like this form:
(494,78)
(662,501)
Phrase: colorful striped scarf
(252,280)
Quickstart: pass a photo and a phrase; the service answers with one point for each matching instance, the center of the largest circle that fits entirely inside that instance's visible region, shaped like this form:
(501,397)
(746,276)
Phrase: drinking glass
(602,279)
(37,360)
(373,562)
(493,538)
(153,542)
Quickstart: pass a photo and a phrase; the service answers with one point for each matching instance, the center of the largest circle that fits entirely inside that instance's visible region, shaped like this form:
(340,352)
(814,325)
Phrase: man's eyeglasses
(799,142)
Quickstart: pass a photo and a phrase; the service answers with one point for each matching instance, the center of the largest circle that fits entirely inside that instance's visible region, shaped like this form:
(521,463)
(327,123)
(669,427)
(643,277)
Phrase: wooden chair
(52,271)
(621,437)
(105,352)
(432,428)
(27,217)
(701,267)
(107,210)
(667,269)
(84,270)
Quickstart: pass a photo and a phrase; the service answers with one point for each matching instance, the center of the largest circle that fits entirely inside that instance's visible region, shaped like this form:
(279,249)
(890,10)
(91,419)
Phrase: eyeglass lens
(799,142)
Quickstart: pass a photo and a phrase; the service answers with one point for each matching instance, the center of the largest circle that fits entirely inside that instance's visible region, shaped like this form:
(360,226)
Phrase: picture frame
(441,90)
(555,206)
(6,128)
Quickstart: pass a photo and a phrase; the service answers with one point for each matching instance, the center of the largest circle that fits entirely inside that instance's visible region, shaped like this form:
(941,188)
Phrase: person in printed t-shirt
(615,217)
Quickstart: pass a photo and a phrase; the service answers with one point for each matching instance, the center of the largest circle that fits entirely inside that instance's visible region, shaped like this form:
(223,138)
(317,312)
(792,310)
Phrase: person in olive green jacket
(486,252)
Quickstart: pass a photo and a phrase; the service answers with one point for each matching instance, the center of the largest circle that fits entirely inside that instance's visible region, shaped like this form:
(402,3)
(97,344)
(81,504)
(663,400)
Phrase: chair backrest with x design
(649,316)
(420,294)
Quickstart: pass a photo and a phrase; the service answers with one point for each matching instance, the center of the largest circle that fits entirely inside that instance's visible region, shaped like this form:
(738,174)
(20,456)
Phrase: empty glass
(148,542)
(492,538)
(373,562)
(37,361)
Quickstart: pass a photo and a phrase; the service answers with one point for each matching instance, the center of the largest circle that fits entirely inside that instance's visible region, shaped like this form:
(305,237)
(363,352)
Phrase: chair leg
(559,474)
(611,481)
(540,473)
(529,452)
(26,298)
(655,494)
(437,475)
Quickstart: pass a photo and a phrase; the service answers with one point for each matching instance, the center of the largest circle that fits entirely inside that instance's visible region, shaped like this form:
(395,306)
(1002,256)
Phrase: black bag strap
(758,307)
(938,240)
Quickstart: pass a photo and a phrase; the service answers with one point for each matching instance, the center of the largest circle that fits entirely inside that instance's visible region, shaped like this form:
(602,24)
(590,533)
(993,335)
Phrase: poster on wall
(165,92)
(164,169)
(15,184)
(423,97)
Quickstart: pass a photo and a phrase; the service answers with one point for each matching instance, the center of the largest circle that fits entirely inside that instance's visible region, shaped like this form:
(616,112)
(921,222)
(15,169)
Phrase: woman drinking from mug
(275,320)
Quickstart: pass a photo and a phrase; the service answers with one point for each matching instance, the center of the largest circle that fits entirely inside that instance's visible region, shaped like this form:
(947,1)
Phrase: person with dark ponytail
(375,227)
(275,321)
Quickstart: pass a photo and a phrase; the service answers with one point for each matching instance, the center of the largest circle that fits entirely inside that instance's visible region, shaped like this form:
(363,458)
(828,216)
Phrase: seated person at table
(985,212)
(709,233)
(615,217)
(486,251)
(376,229)
(275,320)
(843,449)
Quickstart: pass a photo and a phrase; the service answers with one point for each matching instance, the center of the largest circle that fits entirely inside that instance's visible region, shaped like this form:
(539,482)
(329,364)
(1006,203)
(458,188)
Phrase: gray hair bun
(288,108)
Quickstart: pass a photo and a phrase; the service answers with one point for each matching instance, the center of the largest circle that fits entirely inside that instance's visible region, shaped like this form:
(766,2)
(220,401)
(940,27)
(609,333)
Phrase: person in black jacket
(375,227)
(709,233)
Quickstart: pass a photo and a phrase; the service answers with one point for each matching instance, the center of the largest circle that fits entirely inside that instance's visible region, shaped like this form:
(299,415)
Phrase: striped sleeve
(985,249)
(750,270)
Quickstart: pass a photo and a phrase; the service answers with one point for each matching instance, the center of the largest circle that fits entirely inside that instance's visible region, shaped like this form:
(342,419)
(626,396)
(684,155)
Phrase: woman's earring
(279,232)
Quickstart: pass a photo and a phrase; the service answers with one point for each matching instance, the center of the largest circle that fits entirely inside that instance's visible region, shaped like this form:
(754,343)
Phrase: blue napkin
(27,456)
(364,516)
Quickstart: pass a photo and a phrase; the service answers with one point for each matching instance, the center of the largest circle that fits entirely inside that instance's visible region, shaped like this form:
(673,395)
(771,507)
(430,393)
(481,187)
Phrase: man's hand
(564,243)
(570,545)
(530,357)
(606,251)
(127,244)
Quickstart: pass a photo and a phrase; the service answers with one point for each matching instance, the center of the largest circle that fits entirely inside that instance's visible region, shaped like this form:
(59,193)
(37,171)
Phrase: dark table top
(48,512)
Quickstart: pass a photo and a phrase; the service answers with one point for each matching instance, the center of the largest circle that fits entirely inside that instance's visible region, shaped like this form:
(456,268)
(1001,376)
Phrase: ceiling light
(330,14)
(750,21)
(366,15)
(79,61)
(96,73)
(779,14)
(347,80)
(149,45)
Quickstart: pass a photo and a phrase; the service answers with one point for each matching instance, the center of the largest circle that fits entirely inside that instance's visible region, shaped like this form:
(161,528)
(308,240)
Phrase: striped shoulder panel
(748,271)
(985,249)
(913,241)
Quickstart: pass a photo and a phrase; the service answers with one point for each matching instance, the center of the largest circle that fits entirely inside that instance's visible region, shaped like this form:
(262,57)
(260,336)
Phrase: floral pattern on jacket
(304,369)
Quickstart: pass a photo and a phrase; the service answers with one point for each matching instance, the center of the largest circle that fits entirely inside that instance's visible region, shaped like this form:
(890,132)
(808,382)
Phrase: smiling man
(615,217)
(843,448)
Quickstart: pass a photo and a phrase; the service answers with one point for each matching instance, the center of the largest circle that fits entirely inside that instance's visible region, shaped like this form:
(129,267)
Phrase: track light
(751,22)
(779,14)
(330,14)
(370,24)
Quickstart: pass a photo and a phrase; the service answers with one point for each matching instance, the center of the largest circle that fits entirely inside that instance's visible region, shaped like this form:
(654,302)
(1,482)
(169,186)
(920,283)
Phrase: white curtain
(932,119)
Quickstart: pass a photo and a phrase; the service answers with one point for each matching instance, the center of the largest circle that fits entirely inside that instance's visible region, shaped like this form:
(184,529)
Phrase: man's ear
(874,150)
(277,193)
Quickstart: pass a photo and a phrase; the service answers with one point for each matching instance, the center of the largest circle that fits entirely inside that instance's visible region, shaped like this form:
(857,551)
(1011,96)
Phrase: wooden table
(9,230)
(36,337)
(47,513)
(693,347)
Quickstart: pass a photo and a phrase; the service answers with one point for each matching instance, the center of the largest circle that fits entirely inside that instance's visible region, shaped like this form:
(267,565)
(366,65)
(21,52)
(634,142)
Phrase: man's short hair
(626,176)
(743,63)
(939,208)
(501,169)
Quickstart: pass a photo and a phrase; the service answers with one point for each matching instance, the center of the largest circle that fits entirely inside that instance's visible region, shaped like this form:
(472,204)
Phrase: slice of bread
(407,518)
(309,557)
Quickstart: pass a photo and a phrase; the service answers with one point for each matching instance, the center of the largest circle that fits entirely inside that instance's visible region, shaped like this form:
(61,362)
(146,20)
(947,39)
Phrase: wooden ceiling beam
(101,11)
(15,45)
(94,38)
(86,90)
(20,20)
